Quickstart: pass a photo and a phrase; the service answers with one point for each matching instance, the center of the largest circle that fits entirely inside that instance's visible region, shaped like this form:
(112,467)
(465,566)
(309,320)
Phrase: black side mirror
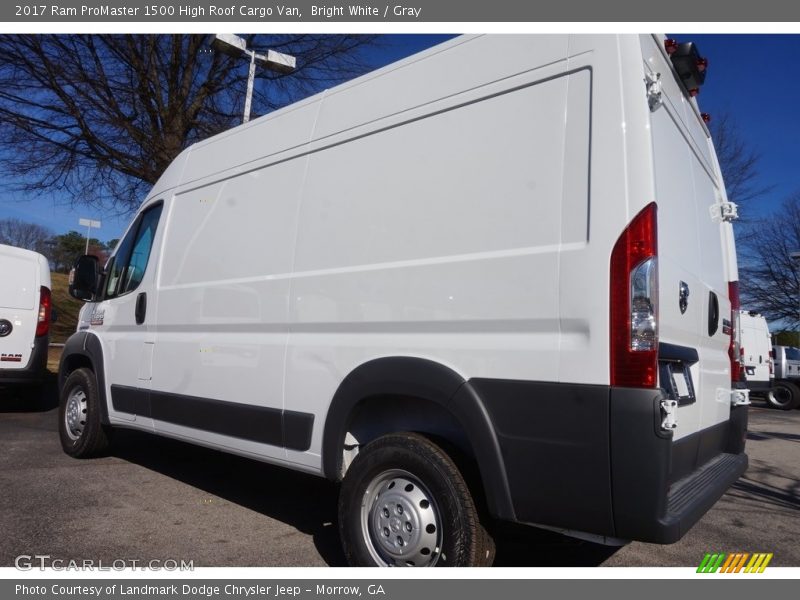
(84,277)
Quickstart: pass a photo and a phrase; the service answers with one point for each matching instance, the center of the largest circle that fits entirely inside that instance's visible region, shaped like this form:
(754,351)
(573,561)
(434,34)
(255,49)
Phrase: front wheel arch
(84,350)
(80,426)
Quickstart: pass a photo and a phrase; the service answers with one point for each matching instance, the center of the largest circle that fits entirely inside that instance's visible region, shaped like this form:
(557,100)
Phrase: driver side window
(127,268)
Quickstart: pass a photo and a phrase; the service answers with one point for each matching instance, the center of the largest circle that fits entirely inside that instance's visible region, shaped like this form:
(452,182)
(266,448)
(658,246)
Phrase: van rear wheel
(79,424)
(404,503)
(784,396)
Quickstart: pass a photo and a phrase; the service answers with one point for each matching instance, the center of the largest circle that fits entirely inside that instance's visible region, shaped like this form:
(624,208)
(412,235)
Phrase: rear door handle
(141,308)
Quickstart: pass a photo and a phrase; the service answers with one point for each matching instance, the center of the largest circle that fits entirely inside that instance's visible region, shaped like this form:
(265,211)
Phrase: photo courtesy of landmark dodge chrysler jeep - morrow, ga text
(466,288)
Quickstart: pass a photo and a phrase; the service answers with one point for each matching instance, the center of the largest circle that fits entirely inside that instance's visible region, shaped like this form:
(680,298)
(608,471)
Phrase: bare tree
(15,232)
(739,164)
(767,270)
(99,117)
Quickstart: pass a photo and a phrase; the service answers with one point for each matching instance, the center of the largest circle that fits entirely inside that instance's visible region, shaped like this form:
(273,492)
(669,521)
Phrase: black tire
(81,431)
(440,523)
(784,395)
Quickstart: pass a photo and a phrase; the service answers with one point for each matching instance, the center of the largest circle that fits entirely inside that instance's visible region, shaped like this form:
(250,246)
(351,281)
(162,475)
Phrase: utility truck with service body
(490,281)
(785,390)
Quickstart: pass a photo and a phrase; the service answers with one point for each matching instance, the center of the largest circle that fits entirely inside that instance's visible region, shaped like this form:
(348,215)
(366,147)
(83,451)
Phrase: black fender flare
(425,380)
(88,346)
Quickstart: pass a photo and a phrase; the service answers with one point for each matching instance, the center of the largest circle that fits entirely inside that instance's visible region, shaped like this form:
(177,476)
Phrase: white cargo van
(766,370)
(757,369)
(507,255)
(25,313)
(754,348)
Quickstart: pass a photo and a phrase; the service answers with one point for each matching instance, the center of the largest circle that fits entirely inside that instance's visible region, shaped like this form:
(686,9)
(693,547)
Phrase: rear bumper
(34,371)
(594,459)
(661,487)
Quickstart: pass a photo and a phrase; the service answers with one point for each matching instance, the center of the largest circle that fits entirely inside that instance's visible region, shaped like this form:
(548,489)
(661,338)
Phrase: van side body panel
(421,253)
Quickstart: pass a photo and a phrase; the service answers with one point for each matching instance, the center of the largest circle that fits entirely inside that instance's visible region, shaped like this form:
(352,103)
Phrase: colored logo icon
(737,562)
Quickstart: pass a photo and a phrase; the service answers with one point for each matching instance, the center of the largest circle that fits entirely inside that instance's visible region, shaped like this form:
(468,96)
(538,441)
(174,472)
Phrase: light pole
(89,223)
(233,45)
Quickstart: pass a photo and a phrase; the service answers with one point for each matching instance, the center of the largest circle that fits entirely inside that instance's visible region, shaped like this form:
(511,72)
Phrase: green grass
(66,307)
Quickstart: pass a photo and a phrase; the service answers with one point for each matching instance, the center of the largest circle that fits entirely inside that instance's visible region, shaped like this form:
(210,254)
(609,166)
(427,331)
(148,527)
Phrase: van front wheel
(784,396)
(404,503)
(79,426)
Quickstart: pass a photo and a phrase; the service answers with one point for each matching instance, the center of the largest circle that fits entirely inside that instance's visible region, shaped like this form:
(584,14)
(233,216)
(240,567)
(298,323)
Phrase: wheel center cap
(395,524)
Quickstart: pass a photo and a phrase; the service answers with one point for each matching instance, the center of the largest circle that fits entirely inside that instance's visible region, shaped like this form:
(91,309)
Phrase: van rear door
(693,285)
(19,306)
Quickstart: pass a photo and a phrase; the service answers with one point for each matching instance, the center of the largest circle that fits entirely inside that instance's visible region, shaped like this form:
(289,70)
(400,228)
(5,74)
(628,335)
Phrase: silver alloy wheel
(400,521)
(75,413)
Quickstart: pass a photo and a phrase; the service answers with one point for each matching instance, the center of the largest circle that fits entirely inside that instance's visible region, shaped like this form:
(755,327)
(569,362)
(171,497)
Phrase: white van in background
(755,347)
(770,372)
(507,256)
(25,314)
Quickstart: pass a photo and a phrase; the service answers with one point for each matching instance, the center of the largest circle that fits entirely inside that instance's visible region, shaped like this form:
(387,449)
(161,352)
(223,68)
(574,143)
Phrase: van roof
(342,87)
(307,114)
(21,253)
(174,174)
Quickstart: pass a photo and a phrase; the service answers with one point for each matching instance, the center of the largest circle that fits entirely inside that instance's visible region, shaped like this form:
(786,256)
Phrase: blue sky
(751,77)
(754,78)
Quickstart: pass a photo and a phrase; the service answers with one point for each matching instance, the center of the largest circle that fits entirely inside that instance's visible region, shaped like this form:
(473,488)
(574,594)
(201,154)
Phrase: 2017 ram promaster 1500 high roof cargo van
(515,268)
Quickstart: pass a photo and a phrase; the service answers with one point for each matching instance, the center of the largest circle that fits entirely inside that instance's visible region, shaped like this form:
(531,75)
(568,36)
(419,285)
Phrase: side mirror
(84,277)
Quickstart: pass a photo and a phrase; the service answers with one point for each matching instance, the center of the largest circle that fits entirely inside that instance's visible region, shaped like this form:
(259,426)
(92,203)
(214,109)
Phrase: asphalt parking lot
(154,498)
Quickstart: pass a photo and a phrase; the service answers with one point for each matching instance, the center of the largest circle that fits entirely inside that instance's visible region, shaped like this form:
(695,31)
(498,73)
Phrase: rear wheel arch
(434,391)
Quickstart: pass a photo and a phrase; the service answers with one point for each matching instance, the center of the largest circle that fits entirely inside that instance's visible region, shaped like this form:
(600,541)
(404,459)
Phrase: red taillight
(634,303)
(45,312)
(671,46)
(734,352)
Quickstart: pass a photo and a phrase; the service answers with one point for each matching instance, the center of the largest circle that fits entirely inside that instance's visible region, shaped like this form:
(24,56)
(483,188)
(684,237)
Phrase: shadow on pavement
(30,398)
(303,501)
(309,503)
(770,435)
(786,496)
(523,546)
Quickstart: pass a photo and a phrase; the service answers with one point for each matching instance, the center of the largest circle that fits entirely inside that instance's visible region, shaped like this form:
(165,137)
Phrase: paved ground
(159,499)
